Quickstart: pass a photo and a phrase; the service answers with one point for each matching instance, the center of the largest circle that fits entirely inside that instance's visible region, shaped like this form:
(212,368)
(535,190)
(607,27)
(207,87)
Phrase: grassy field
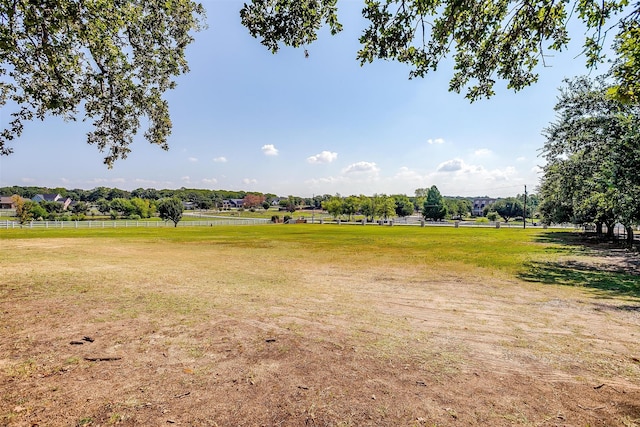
(317,325)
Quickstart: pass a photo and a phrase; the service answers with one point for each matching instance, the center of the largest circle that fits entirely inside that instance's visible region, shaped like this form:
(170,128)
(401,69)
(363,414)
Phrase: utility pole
(524,214)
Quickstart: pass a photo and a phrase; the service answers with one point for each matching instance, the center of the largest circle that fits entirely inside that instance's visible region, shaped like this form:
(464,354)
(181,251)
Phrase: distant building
(6,202)
(64,201)
(480,203)
(232,203)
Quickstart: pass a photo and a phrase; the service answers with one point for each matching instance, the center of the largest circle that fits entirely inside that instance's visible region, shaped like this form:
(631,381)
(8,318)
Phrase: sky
(245,119)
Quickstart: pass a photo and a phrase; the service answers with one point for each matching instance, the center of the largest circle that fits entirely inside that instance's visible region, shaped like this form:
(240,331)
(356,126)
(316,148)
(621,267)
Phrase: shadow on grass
(604,267)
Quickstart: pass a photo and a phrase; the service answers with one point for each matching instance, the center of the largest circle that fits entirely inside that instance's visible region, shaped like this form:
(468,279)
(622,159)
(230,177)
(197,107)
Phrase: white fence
(128,224)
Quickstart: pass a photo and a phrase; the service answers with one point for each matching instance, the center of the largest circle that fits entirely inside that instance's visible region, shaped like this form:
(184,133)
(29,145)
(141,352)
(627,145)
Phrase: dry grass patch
(306,326)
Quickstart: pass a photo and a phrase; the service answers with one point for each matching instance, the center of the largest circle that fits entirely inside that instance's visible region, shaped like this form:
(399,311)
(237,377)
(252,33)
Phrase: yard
(317,325)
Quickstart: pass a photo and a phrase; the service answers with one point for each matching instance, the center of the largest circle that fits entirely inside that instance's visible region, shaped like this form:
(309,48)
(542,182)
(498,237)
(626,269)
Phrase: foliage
(404,206)
(487,40)
(333,206)
(593,155)
(23,209)
(350,205)
(253,200)
(291,22)
(114,59)
(79,207)
(383,206)
(458,208)
(508,208)
(171,209)
(433,207)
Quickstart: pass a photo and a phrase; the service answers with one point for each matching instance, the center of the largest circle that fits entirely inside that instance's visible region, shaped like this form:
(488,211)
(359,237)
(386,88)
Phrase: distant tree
(122,206)
(116,193)
(508,208)
(23,209)
(103,206)
(266,205)
(52,208)
(404,206)
(252,200)
(492,216)
(79,208)
(366,207)
(384,206)
(350,206)
(37,211)
(433,207)
(170,209)
(141,207)
(98,193)
(333,206)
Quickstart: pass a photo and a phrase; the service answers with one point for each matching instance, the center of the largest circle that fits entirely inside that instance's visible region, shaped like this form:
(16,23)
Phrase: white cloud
(362,167)
(521,159)
(269,150)
(248,181)
(28,180)
(186,179)
(436,141)
(208,181)
(452,165)
(193,159)
(220,159)
(482,152)
(537,169)
(324,157)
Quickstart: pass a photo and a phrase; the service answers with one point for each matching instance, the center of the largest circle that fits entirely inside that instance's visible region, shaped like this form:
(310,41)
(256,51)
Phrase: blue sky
(244,119)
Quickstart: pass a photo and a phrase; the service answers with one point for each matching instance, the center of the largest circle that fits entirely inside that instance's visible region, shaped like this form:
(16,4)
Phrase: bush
(134,217)
(482,220)
(492,216)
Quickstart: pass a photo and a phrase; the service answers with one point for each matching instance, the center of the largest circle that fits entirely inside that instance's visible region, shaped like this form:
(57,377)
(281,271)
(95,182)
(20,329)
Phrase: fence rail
(130,224)
(248,221)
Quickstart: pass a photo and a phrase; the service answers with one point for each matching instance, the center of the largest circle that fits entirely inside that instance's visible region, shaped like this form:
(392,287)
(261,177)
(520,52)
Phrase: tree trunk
(610,227)
(599,228)
(629,230)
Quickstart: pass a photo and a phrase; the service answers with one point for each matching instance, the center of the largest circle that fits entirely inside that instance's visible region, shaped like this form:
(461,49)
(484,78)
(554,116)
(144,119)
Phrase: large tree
(593,158)
(115,59)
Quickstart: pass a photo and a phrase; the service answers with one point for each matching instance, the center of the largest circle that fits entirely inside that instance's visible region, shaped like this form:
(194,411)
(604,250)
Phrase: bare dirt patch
(162,334)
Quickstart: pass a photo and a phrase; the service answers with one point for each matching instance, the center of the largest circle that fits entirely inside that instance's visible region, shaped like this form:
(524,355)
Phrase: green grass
(531,255)
(503,249)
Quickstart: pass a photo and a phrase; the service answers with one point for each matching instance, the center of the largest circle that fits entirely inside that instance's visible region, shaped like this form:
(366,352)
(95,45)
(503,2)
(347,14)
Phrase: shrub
(492,216)
(482,220)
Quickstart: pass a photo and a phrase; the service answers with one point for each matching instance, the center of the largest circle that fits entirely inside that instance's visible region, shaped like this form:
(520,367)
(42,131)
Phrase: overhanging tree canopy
(115,59)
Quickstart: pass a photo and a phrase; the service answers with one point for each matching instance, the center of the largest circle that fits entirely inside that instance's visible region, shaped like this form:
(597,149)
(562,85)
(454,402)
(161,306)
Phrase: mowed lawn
(317,325)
